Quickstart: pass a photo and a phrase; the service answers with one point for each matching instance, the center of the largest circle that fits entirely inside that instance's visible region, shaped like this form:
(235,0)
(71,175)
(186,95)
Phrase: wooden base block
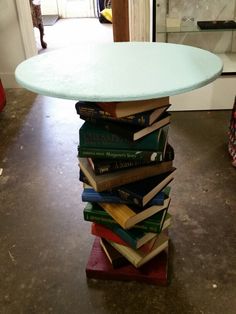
(154,272)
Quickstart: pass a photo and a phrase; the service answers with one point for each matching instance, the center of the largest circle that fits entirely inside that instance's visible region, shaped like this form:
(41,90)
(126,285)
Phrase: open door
(26,27)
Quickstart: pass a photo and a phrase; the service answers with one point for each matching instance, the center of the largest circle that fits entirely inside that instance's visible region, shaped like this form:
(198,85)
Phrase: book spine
(106,153)
(98,218)
(92,136)
(107,167)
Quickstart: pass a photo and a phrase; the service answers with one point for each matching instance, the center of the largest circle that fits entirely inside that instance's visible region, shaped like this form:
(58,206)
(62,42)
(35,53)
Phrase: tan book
(111,180)
(138,257)
(128,216)
(127,108)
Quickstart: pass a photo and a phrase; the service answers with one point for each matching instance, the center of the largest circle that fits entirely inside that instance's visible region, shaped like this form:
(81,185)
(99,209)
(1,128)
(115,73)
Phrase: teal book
(131,132)
(114,154)
(134,238)
(93,136)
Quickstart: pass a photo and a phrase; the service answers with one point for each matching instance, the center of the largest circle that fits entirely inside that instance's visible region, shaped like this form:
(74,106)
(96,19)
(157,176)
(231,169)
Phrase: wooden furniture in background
(120,20)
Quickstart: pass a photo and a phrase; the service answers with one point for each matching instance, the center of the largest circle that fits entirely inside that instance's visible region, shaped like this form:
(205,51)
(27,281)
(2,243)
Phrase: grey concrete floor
(45,244)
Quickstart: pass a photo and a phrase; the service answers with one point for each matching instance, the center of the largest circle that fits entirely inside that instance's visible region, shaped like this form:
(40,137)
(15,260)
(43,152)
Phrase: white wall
(17,41)
(49,7)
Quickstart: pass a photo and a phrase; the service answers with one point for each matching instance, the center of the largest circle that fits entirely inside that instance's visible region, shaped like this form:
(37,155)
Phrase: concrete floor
(44,242)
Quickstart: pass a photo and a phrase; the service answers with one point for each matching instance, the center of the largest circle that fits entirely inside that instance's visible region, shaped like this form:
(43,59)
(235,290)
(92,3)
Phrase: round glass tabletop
(119,71)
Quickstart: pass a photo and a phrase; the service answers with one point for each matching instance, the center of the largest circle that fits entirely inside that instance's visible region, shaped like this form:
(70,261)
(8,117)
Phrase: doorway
(69,8)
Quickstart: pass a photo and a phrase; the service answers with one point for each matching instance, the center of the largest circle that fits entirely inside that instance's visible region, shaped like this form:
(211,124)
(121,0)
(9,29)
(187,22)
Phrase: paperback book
(94,213)
(127,108)
(138,257)
(134,238)
(112,180)
(90,195)
(91,111)
(127,216)
(141,192)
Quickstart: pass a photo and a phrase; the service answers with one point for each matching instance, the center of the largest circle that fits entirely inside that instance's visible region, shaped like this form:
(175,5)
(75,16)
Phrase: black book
(222,24)
(101,166)
(90,111)
(141,192)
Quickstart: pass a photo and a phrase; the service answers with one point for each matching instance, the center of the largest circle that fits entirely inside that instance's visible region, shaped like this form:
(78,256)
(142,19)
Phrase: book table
(118,72)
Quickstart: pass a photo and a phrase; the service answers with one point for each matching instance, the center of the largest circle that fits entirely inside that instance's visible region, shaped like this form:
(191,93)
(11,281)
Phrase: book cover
(141,192)
(131,132)
(153,272)
(111,180)
(133,238)
(101,166)
(116,259)
(127,108)
(91,111)
(90,195)
(138,257)
(94,136)
(94,213)
(127,215)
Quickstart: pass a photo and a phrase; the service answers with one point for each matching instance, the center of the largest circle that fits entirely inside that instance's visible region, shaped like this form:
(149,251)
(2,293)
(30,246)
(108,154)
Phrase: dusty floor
(44,242)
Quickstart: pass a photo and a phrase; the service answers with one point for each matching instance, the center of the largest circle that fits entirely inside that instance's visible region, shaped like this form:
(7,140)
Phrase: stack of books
(126,166)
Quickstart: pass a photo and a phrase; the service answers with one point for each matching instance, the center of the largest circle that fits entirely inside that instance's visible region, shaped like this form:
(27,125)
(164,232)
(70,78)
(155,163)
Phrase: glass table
(120,72)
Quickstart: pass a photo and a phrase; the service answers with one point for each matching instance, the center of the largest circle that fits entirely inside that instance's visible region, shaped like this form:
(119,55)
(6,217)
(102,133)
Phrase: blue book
(90,195)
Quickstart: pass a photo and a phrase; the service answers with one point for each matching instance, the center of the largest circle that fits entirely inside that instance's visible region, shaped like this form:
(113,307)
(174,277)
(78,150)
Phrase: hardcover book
(111,180)
(153,272)
(90,195)
(141,192)
(94,213)
(127,108)
(124,154)
(94,136)
(133,238)
(101,166)
(91,111)
(138,257)
(127,216)
(131,132)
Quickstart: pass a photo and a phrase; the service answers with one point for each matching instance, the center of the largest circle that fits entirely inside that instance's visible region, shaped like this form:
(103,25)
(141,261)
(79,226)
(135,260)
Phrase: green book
(93,136)
(94,213)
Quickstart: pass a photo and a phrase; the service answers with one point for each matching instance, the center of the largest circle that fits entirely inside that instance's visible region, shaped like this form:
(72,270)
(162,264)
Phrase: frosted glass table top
(119,71)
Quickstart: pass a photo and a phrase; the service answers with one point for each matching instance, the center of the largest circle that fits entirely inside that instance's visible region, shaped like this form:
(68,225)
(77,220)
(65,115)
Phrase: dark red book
(154,272)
